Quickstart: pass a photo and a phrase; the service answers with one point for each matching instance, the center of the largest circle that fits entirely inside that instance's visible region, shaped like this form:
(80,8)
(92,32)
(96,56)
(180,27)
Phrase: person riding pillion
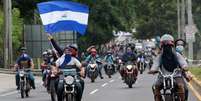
(64,62)
(180,46)
(24,61)
(167,61)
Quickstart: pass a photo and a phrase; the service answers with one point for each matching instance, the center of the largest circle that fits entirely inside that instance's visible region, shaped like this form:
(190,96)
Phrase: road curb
(196,84)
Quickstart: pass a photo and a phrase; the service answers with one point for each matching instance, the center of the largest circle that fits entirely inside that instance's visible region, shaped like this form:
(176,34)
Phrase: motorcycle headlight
(69,80)
(21,73)
(92,65)
(129,67)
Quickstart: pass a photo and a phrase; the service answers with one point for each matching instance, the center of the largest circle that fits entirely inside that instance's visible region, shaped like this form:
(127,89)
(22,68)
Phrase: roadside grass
(196,71)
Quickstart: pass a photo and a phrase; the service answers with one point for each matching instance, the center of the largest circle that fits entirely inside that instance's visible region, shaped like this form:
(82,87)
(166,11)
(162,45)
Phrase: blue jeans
(30,77)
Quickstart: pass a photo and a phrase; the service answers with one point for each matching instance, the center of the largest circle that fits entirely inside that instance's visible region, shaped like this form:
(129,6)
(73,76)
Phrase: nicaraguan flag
(60,16)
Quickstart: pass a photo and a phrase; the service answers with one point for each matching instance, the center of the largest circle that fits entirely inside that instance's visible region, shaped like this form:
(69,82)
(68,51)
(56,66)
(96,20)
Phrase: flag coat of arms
(58,16)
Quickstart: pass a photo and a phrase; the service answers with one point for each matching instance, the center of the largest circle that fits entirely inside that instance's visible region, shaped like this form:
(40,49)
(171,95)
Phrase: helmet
(166,39)
(93,50)
(23,49)
(74,46)
(68,50)
(109,52)
(44,53)
(89,49)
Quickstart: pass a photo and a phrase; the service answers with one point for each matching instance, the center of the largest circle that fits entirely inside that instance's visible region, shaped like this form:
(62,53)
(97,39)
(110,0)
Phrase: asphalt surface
(106,89)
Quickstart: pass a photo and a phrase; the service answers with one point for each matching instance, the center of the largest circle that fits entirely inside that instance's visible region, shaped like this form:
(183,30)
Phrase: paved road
(102,90)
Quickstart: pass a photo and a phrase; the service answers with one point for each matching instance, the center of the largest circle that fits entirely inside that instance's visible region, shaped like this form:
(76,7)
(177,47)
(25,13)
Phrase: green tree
(17,29)
(155,17)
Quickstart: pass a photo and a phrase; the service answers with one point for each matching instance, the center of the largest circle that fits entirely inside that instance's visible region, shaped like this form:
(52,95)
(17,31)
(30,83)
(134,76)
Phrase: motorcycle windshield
(67,72)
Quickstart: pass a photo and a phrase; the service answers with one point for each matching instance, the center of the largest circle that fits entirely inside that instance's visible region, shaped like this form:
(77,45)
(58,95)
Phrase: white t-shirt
(156,64)
(73,61)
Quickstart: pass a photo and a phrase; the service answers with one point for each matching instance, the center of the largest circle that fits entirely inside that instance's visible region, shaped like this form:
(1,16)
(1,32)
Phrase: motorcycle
(52,80)
(109,69)
(149,60)
(119,64)
(169,91)
(130,76)
(141,62)
(46,72)
(70,80)
(92,71)
(25,86)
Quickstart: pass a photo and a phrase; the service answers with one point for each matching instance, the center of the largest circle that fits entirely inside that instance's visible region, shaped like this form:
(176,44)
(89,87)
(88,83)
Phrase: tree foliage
(17,29)
(155,17)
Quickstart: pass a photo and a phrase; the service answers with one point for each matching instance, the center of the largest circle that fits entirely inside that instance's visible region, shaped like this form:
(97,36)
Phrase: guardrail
(36,72)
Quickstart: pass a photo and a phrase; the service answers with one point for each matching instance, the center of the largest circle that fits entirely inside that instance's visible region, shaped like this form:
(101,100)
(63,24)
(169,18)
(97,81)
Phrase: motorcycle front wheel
(168,98)
(52,90)
(22,92)
(70,97)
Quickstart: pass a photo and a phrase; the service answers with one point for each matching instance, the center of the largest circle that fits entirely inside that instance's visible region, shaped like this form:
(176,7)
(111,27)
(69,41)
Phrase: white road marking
(9,93)
(94,91)
(104,84)
(111,81)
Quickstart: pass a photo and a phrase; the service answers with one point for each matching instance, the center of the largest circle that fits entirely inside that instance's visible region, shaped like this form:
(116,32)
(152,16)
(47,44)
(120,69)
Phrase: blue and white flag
(60,16)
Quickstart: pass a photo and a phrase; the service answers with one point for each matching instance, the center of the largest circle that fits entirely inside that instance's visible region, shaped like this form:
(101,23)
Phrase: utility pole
(183,19)
(178,19)
(191,23)
(7,33)
(10,52)
(5,6)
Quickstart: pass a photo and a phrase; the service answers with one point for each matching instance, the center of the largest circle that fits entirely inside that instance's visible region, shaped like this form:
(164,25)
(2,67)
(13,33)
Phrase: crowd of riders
(57,62)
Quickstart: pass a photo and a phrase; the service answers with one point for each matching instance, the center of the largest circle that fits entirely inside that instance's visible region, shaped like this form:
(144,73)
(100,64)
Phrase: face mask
(93,54)
(179,49)
(167,50)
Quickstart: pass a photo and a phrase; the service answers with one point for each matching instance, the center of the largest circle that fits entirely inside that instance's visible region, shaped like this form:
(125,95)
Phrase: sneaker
(18,88)
(34,87)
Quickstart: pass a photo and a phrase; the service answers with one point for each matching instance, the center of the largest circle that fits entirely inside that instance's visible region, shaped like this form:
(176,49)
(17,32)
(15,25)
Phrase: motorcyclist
(65,61)
(179,45)
(93,56)
(59,49)
(109,59)
(129,56)
(141,58)
(167,61)
(24,61)
(149,54)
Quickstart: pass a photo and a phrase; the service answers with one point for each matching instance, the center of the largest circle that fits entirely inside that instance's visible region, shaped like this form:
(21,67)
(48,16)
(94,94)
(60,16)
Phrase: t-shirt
(156,65)
(72,62)
(24,61)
